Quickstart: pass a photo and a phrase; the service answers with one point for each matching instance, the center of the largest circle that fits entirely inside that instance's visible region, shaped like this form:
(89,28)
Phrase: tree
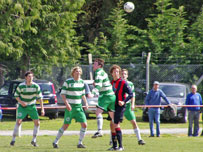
(119,41)
(166,31)
(196,37)
(39,32)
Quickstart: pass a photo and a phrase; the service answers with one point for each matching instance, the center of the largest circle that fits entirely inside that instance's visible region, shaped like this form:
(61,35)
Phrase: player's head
(76,72)
(115,71)
(125,74)
(156,85)
(193,88)
(98,63)
(29,76)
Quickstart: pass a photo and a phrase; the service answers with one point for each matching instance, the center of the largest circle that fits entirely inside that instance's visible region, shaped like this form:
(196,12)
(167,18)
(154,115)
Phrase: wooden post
(147,71)
(90,65)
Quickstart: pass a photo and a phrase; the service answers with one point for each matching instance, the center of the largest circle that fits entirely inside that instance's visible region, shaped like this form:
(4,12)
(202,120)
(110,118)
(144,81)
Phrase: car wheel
(184,118)
(53,115)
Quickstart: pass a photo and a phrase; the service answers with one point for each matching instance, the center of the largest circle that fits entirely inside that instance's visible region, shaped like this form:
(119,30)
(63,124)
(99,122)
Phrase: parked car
(7,98)
(176,94)
(91,101)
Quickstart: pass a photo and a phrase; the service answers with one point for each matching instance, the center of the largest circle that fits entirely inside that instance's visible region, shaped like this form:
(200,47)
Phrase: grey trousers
(193,116)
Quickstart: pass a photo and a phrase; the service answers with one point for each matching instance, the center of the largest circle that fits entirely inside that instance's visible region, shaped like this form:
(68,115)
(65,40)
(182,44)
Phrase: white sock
(58,136)
(137,132)
(110,137)
(19,130)
(82,134)
(15,132)
(35,132)
(99,122)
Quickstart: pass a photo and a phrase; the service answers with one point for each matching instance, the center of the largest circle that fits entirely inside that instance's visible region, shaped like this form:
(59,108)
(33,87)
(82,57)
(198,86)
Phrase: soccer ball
(129,7)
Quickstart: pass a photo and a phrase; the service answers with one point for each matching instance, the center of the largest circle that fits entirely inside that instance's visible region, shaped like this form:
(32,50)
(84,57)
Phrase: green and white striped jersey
(28,93)
(74,90)
(102,83)
(130,84)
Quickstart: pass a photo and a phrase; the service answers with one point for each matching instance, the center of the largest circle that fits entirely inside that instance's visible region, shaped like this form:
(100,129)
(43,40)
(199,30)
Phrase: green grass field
(166,143)
(46,124)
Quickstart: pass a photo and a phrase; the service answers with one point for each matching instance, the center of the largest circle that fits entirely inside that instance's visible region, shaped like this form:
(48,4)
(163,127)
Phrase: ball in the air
(129,7)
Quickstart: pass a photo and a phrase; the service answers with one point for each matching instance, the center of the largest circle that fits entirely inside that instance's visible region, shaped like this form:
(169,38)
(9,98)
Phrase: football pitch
(166,143)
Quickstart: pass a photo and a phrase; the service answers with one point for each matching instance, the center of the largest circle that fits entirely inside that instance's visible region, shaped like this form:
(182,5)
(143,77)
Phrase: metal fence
(188,74)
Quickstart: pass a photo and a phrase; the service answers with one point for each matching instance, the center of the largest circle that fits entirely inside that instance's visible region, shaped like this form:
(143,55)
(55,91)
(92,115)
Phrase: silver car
(92,101)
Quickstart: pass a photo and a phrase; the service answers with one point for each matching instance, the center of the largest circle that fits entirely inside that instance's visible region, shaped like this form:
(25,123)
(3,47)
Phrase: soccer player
(26,94)
(130,106)
(121,88)
(106,100)
(73,90)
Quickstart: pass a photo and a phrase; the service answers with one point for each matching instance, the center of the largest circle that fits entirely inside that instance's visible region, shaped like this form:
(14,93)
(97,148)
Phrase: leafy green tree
(112,42)
(192,8)
(196,37)
(119,41)
(39,32)
(166,31)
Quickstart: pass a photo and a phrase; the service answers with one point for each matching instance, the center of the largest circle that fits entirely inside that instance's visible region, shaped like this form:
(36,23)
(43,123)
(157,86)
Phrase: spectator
(193,98)
(154,98)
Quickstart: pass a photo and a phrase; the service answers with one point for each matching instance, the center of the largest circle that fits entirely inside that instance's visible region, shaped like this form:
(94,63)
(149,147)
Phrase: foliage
(38,31)
(166,31)
(196,36)
(119,40)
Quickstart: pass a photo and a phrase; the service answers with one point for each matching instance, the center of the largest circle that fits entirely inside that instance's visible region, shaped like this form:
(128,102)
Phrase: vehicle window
(46,89)
(173,91)
(4,89)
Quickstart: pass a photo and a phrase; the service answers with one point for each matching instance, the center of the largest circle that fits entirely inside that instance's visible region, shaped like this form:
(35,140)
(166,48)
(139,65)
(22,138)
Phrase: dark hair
(28,72)
(100,61)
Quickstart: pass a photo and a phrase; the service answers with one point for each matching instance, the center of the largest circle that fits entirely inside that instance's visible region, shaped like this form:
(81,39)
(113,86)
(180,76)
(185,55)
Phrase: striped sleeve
(39,92)
(17,92)
(64,88)
(98,84)
(98,81)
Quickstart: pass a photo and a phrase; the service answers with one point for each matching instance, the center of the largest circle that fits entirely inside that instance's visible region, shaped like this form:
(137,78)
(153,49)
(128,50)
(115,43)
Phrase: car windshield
(4,89)
(46,89)
(173,91)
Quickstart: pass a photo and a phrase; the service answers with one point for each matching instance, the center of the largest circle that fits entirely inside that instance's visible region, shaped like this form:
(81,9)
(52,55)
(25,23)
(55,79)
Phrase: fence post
(90,65)
(147,71)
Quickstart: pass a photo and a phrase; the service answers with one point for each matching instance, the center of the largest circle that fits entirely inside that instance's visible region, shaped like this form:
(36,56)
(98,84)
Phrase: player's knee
(65,126)
(84,125)
(18,122)
(36,122)
(99,111)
